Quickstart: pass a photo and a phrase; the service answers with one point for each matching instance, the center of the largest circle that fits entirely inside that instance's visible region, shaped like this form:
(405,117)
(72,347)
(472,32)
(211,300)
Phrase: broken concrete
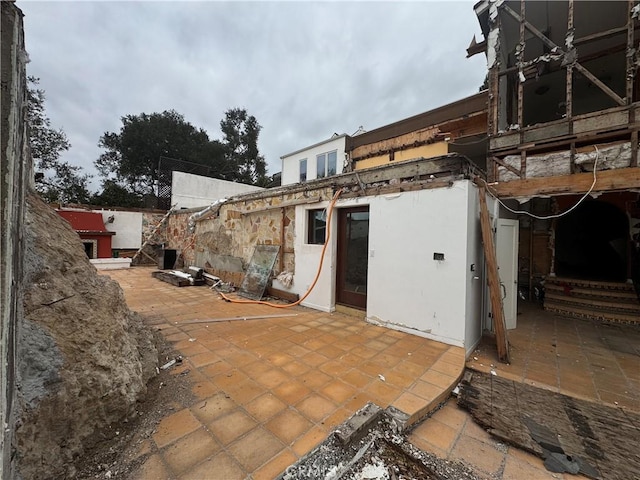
(83,357)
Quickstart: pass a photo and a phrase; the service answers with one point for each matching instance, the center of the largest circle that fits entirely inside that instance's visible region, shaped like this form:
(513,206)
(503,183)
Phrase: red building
(90,227)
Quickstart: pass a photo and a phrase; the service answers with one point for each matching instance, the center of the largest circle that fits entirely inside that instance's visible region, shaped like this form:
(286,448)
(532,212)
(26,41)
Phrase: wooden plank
(276,292)
(598,83)
(607,120)
(420,137)
(545,132)
(619,179)
(604,436)
(172,279)
(495,294)
(504,141)
(513,170)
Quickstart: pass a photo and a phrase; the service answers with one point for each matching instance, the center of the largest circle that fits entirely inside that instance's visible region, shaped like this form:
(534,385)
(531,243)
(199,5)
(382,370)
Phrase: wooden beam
(512,169)
(596,81)
(502,342)
(531,28)
(618,179)
(600,35)
(408,140)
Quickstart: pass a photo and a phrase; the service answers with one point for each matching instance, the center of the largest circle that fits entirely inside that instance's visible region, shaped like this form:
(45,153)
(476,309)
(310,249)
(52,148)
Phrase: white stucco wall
(291,162)
(407,289)
(192,191)
(128,228)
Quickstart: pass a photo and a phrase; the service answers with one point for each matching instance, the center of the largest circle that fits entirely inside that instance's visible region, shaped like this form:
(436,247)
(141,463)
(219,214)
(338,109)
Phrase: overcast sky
(304,70)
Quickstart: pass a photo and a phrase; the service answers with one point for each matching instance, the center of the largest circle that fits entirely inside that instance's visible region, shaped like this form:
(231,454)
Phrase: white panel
(193,191)
(507,256)
(127,225)
(291,163)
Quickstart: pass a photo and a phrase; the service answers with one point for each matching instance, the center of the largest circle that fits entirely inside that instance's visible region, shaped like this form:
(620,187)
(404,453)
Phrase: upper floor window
(303,170)
(327,164)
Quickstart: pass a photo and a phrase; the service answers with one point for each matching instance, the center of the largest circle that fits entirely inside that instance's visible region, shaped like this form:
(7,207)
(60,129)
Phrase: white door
(507,255)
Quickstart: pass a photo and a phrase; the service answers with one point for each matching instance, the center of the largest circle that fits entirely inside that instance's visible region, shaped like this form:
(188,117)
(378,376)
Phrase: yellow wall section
(426,151)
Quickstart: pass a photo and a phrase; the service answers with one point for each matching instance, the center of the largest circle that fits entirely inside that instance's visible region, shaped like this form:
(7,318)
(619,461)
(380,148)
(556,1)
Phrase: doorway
(352,257)
(592,243)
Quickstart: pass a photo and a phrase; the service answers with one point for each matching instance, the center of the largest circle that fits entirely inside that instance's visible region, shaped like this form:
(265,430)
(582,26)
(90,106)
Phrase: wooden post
(499,325)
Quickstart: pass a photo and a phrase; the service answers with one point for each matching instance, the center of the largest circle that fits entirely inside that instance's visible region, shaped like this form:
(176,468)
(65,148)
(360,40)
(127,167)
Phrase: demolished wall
(83,357)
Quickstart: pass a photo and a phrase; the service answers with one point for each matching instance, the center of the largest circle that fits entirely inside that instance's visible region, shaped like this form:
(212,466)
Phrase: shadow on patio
(266,391)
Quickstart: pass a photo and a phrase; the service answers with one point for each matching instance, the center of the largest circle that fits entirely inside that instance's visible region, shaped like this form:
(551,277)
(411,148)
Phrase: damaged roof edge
(379,173)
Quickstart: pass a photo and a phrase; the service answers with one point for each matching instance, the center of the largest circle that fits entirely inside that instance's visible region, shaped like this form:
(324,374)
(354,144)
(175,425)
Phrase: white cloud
(304,70)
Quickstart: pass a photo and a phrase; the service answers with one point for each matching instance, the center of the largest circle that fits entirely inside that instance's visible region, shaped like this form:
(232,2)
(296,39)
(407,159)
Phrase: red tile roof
(84,222)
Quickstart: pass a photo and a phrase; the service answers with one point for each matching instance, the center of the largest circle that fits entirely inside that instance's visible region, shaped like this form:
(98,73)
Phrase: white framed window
(326,164)
(303,170)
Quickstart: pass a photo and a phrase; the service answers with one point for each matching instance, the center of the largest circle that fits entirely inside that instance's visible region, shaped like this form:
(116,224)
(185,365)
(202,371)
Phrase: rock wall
(83,357)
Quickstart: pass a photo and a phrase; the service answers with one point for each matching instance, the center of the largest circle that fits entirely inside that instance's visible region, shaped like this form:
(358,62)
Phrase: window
(332,160)
(326,163)
(320,162)
(317,227)
(303,170)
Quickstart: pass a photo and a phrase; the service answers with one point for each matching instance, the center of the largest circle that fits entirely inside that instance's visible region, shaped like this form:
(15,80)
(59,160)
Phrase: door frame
(342,296)
(507,258)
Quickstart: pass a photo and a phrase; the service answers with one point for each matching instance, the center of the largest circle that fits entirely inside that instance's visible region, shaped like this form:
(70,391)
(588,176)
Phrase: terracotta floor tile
(451,415)
(265,407)
(279,358)
(213,407)
(244,392)
(230,378)
(204,359)
(436,378)
(436,433)
(427,446)
(174,427)
(384,392)
(231,426)
(426,390)
(517,470)
(153,467)
(314,359)
(356,378)
(272,378)
(255,449)
(479,454)
(412,369)
(291,392)
(275,467)
(338,391)
(448,368)
(190,450)
(296,368)
(216,368)
(337,418)
(330,351)
(410,404)
(309,440)
(314,379)
(219,467)
(288,426)
(315,407)
(358,401)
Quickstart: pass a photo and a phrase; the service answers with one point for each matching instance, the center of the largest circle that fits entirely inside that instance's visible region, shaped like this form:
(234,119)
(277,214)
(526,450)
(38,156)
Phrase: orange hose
(315,280)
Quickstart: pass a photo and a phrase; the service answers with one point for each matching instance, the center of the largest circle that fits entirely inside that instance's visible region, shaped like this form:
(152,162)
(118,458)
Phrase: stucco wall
(191,191)
(128,228)
(291,163)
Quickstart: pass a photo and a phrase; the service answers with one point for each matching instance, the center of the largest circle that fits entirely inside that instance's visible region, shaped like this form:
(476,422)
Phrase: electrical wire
(315,280)
(557,215)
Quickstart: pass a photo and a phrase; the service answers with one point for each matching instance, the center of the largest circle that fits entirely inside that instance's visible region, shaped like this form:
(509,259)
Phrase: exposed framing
(522,140)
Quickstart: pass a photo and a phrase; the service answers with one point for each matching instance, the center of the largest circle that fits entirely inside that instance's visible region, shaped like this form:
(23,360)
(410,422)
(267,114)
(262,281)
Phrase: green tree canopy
(56,180)
(133,155)
(240,139)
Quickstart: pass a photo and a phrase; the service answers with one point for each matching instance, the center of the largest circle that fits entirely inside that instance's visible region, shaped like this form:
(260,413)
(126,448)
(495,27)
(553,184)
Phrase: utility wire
(558,215)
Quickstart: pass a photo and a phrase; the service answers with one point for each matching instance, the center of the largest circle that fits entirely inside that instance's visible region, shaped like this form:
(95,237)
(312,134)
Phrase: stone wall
(15,175)
(240,225)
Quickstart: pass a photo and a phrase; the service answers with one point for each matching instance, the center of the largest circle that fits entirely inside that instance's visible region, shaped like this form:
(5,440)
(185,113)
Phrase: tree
(133,154)
(56,180)
(114,195)
(240,138)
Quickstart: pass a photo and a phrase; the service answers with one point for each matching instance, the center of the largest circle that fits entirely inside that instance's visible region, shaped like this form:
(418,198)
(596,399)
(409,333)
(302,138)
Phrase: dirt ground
(118,452)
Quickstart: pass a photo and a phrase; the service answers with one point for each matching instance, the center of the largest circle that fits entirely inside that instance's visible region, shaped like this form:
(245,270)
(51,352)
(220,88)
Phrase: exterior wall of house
(103,243)
(407,289)
(128,228)
(426,151)
(291,163)
(191,191)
